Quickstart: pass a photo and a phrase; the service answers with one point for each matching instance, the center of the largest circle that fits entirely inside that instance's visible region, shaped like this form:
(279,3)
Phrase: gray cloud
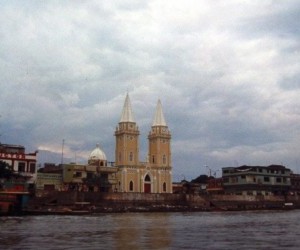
(227,75)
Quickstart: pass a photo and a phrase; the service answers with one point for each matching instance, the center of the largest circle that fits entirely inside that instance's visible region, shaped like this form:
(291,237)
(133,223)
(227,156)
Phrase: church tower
(127,138)
(159,140)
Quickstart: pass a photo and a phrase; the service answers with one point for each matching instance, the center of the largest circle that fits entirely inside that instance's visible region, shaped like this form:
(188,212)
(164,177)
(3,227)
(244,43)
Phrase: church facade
(154,175)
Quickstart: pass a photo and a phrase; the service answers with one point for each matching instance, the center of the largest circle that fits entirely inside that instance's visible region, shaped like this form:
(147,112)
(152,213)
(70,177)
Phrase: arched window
(164,159)
(164,187)
(131,186)
(153,159)
(147,178)
(131,156)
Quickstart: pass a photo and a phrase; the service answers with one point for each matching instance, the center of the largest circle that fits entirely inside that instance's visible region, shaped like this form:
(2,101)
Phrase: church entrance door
(147,184)
(147,188)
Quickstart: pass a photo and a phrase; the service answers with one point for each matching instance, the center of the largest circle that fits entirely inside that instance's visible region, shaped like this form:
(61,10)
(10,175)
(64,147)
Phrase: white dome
(97,154)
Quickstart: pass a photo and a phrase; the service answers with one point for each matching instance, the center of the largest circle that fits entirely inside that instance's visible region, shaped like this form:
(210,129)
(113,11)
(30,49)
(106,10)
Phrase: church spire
(159,119)
(127,114)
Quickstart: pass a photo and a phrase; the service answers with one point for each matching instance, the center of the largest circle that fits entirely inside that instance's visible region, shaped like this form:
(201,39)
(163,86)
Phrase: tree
(5,170)
(202,179)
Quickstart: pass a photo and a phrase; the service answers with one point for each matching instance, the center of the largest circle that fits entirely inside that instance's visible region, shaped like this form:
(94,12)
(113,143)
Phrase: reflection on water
(229,230)
(136,230)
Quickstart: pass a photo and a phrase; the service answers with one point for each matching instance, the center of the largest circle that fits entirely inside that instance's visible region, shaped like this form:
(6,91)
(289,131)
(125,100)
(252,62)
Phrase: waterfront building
(49,178)
(16,188)
(49,181)
(215,186)
(154,175)
(22,163)
(256,180)
(295,184)
(97,175)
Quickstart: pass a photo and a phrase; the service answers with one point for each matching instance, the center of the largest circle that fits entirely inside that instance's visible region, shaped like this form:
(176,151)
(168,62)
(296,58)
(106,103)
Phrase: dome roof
(97,154)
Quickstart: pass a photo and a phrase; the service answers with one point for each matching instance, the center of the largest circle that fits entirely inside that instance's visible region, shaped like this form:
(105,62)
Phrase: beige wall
(49,179)
(158,176)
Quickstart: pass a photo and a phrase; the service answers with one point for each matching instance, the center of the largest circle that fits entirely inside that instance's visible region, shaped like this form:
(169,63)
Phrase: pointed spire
(159,119)
(127,114)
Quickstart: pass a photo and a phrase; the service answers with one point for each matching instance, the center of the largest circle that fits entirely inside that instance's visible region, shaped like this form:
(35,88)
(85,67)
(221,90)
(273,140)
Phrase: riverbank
(75,203)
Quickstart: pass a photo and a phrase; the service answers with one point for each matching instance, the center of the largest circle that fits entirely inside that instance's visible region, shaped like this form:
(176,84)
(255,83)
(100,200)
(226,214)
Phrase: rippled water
(206,230)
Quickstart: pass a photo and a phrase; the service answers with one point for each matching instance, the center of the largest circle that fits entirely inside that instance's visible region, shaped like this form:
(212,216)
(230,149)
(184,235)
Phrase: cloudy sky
(227,74)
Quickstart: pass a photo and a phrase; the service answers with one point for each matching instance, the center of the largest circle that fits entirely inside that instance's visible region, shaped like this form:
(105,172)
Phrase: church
(128,173)
(154,175)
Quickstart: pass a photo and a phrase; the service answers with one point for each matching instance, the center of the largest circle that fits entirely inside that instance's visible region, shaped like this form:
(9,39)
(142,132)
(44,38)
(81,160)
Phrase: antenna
(62,151)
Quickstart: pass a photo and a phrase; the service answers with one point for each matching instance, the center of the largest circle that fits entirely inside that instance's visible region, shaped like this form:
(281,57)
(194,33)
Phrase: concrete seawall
(123,202)
(118,202)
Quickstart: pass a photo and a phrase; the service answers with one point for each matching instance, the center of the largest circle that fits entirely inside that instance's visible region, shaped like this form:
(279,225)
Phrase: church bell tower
(159,140)
(127,138)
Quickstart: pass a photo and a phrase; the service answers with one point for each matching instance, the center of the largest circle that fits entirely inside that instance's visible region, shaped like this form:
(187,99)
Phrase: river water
(203,230)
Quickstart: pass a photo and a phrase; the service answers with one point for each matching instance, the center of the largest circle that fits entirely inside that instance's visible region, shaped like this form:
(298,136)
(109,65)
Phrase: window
(153,159)
(164,187)
(77,174)
(243,176)
(164,159)
(147,178)
(278,179)
(234,179)
(226,180)
(120,156)
(32,168)
(89,175)
(21,167)
(266,179)
(131,186)
(131,156)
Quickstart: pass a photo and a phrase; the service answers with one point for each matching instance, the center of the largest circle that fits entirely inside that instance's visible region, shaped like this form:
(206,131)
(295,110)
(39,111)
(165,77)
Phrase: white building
(21,163)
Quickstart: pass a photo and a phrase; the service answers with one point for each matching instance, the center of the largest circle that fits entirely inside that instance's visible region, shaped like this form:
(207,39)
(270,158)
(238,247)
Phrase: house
(256,180)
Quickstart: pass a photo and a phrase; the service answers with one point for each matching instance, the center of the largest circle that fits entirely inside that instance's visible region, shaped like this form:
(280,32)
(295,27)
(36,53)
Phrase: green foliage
(5,170)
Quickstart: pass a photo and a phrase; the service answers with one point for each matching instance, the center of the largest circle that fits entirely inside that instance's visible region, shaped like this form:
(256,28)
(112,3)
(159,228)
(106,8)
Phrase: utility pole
(209,170)
(0,131)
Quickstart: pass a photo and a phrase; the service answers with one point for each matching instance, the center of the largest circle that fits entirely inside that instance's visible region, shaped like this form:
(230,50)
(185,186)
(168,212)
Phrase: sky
(227,74)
